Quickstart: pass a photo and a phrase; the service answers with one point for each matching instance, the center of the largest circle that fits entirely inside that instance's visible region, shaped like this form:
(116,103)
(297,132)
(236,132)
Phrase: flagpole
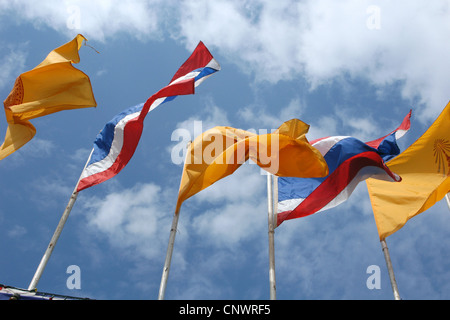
(270,200)
(56,234)
(165,275)
(390,269)
(169,253)
(447,197)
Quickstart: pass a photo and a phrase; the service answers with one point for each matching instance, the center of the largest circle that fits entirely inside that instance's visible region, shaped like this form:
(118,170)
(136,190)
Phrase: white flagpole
(447,197)
(270,196)
(173,232)
(165,275)
(56,234)
(390,269)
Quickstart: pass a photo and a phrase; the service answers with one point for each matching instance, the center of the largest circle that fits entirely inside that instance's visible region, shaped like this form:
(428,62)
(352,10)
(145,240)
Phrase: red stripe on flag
(198,59)
(337,181)
(405,125)
(132,133)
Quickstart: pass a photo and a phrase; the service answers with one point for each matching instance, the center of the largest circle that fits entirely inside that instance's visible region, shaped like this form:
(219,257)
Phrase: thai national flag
(350,161)
(116,143)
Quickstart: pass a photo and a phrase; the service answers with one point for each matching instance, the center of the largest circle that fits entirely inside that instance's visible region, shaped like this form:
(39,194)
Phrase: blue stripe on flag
(205,72)
(104,139)
(295,188)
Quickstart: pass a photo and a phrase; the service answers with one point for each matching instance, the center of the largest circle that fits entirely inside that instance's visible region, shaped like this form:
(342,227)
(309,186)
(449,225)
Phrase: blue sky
(346,68)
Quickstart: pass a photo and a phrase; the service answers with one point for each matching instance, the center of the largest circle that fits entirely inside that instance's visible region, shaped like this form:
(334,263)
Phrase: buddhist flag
(220,151)
(424,168)
(115,145)
(54,85)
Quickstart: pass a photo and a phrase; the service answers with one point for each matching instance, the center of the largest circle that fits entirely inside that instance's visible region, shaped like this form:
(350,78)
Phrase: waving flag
(285,152)
(350,161)
(117,142)
(425,170)
(52,86)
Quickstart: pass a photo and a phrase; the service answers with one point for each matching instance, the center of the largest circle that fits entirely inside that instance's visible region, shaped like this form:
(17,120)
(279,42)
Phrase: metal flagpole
(270,201)
(447,197)
(173,232)
(56,234)
(165,275)
(390,269)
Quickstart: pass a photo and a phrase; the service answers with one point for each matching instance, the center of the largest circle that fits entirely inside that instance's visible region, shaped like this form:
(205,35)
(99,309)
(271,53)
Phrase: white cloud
(210,117)
(189,129)
(38,148)
(240,187)
(236,208)
(320,40)
(253,115)
(326,40)
(342,121)
(11,65)
(97,19)
(253,36)
(80,155)
(136,219)
(234,223)
(35,149)
(17,231)
(408,47)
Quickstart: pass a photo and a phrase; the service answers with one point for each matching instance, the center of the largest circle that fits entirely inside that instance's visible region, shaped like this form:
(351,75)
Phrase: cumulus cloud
(36,149)
(382,42)
(210,117)
(253,114)
(12,63)
(17,231)
(98,20)
(236,208)
(187,130)
(327,40)
(136,219)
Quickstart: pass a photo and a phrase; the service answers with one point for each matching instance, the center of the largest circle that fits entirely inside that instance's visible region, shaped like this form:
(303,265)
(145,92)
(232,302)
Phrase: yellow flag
(218,152)
(54,85)
(424,168)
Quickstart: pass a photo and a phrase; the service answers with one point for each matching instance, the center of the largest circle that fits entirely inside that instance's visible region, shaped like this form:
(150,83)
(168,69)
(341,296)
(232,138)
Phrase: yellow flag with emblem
(54,85)
(424,169)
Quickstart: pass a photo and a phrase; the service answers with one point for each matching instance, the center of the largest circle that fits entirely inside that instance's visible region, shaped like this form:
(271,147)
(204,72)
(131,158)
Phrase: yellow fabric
(54,85)
(424,168)
(218,152)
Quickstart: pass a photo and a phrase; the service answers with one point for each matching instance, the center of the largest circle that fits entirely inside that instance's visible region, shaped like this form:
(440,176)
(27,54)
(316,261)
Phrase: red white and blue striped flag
(350,161)
(117,142)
